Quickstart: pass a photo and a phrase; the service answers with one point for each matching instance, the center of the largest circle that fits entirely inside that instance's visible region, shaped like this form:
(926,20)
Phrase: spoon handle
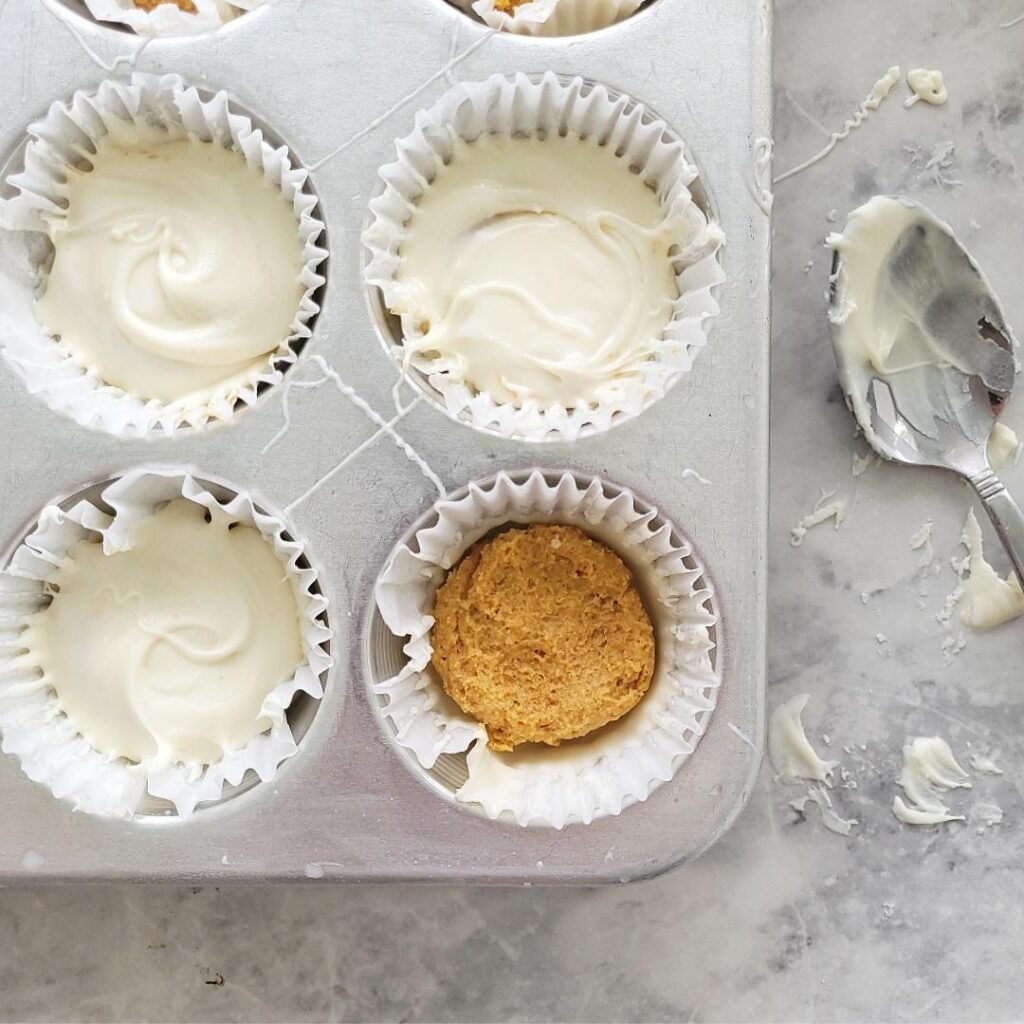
(1006,516)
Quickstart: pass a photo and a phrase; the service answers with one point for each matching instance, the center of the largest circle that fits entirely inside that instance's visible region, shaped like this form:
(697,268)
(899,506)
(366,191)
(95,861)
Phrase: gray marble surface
(782,920)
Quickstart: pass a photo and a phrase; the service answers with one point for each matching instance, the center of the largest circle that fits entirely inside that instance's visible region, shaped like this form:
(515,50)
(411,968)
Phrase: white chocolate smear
(761,186)
(689,474)
(988,814)
(1003,446)
(891,354)
(829,818)
(32,860)
(985,765)
(741,735)
(879,91)
(985,599)
(538,271)
(929,771)
(935,165)
(871,317)
(825,508)
(926,85)
(176,266)
(789,750)
(862,463)
(165,651)
(921,542)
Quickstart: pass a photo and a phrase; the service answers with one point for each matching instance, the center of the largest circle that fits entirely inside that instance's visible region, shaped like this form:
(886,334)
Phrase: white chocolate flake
(929,770)
(985,599)
(789,750)
(921,542)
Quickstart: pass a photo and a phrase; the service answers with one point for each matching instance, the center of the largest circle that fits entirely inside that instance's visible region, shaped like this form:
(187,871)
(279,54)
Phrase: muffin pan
(351,472)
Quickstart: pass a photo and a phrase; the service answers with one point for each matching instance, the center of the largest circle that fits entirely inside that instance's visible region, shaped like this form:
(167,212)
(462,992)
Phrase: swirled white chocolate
(537,270)
(176,266)
(166,650)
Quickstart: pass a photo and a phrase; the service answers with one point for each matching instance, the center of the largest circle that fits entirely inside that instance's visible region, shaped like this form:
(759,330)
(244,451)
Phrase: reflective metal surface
(346,77)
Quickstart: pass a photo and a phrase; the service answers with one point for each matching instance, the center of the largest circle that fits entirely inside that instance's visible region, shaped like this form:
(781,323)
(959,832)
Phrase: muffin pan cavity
(647,360)
(135,110)
(581,780)
(160,20)
(40,730)
(355,456)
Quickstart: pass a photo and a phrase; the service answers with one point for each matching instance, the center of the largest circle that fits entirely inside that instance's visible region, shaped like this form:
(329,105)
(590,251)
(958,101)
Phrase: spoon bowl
(925,357)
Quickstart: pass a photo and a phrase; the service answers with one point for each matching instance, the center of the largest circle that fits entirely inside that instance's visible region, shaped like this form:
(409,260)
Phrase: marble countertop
(782,920)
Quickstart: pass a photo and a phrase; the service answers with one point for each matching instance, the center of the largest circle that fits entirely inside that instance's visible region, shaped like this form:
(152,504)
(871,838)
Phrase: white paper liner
(167,19)
(553,17)
(35,730)
(589,778)
(67,135)
(533,106)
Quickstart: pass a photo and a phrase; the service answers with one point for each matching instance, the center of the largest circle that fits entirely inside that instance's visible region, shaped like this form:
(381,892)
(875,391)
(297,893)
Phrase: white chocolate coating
(166,650)
(538,270)
(176,268)
(883,329)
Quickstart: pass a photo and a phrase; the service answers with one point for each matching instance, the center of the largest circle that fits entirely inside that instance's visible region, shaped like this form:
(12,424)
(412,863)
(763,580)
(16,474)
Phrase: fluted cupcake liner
(616,766)
(65,137)
(553,17)
(34,729)
(525,106)
(167,19)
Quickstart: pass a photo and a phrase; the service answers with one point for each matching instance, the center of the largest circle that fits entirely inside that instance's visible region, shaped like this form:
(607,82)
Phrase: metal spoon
(949,367)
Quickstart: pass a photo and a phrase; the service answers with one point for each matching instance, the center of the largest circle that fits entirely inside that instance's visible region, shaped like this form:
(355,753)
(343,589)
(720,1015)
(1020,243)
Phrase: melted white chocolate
(165,650)
(789,750)
(926,85)
(176,266)
(929,770)
(538,270)
(872,318)
(879,91)
(882,330)
(1002,446)
(986,599)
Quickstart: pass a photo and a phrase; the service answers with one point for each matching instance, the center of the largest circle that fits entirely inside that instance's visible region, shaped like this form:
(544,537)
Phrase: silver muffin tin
(349,75)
